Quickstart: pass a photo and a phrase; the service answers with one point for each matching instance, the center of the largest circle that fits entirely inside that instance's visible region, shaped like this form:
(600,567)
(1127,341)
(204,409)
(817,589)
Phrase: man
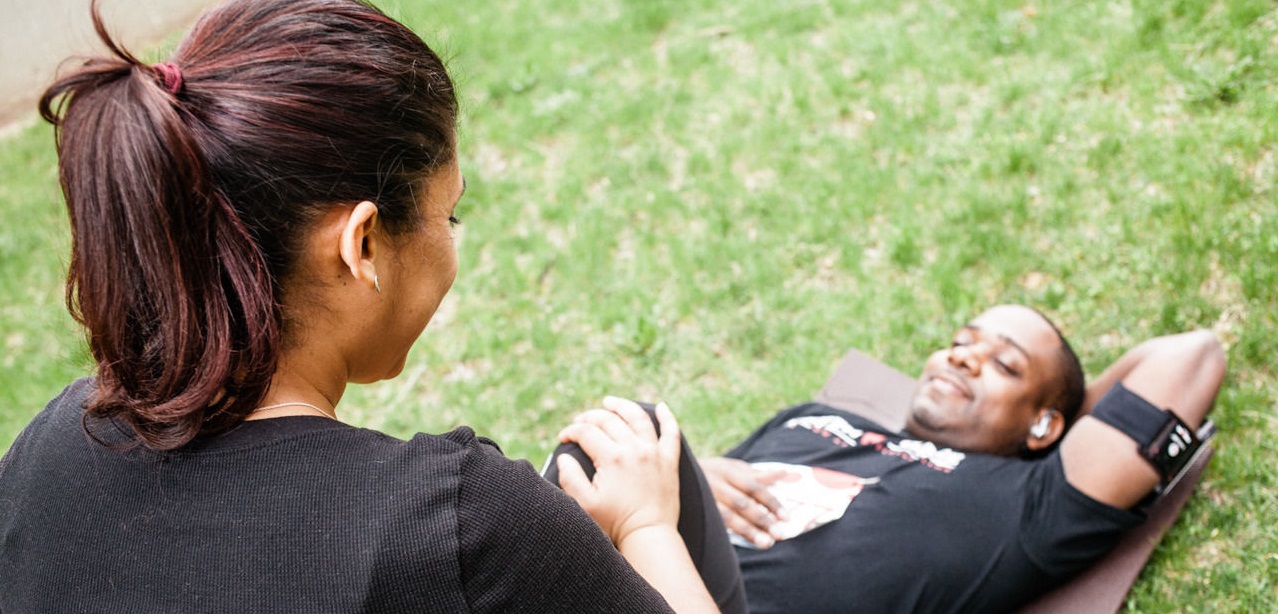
(987,499)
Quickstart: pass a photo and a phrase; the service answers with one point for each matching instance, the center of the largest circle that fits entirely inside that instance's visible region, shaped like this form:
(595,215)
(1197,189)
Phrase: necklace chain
(298,404)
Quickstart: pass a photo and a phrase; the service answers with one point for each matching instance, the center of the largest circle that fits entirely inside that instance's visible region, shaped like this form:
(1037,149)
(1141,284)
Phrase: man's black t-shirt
(925,529)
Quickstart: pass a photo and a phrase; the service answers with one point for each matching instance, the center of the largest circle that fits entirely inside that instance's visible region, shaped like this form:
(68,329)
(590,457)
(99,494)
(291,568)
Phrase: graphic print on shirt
(844,435)
(810,496)
(815,496)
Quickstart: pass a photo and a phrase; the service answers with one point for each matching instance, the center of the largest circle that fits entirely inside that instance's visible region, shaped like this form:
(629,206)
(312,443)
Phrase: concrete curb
(38,36)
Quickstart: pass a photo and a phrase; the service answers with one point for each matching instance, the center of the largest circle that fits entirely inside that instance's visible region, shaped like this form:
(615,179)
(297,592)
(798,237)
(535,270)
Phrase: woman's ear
(358,245)
(1048,427)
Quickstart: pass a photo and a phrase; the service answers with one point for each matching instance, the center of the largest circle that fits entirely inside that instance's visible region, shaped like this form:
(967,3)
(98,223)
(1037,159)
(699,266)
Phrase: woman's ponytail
(176,297)
(193,184)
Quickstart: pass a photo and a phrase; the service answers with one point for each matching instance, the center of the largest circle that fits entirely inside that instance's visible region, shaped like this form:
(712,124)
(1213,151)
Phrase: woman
(256,222)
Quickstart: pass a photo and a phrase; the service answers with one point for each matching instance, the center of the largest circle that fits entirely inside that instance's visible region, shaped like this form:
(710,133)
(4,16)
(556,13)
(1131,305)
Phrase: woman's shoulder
(468,450)
(70,402)
(450,462)
(65,409)
(481,461)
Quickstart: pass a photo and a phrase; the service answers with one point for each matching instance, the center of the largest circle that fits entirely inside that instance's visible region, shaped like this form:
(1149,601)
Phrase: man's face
(984,392)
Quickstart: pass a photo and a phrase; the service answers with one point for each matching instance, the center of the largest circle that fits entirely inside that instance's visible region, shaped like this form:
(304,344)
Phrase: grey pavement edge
(37,36)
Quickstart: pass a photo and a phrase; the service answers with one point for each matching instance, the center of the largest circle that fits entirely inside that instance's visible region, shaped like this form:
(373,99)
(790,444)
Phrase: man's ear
(359,247)
(1047,429)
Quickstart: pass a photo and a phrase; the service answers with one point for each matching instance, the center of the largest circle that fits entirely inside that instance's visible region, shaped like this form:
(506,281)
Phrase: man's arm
(1181,373)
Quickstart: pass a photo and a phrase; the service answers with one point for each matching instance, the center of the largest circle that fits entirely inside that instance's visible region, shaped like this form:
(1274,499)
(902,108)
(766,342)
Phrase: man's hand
(742,495)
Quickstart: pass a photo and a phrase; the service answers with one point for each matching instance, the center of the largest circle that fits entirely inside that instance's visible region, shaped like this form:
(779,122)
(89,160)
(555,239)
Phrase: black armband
(1162,438)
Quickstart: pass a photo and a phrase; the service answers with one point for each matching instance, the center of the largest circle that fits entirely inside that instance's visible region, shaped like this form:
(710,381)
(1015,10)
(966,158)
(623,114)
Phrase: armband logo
(1179,441)
(1172,448)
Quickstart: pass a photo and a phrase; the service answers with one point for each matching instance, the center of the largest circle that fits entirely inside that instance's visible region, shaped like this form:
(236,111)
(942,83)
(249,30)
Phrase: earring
(1039,430)
(376,284)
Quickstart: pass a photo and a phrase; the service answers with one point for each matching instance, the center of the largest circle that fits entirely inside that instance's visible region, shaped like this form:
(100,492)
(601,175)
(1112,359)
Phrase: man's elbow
(1211,355)
(1204,381)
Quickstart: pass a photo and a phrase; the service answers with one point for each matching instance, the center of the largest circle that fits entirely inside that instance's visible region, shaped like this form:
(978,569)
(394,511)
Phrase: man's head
(1009,384)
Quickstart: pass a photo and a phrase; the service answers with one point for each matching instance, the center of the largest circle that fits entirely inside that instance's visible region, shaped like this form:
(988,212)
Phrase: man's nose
(967,357)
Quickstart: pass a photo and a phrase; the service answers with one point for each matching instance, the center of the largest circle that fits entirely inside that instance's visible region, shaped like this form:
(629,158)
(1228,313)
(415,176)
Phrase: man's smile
(950,384)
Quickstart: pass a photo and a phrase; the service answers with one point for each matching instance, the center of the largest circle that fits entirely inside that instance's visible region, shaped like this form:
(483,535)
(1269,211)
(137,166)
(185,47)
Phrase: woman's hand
(634,496)
(742,495)
(636,481)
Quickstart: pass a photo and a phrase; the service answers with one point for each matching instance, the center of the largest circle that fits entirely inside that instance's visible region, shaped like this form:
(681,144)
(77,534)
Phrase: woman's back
(249,521)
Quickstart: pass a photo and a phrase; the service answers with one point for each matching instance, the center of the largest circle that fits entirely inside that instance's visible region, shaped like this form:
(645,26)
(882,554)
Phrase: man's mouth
(950,384)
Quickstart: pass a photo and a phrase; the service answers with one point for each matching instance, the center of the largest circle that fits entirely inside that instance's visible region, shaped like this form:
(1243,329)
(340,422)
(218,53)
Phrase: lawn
(707,202)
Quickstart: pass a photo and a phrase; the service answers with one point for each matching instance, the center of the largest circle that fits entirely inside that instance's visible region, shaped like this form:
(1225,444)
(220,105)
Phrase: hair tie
(172,76)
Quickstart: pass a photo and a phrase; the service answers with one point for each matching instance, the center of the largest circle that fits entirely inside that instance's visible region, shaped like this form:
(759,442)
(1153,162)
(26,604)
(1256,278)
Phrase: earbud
(1039,430)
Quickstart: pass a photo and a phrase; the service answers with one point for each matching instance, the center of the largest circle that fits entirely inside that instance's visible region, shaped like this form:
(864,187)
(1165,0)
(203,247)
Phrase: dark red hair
(191,185)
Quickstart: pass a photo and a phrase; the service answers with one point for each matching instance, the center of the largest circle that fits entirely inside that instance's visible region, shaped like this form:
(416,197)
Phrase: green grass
(708,202)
